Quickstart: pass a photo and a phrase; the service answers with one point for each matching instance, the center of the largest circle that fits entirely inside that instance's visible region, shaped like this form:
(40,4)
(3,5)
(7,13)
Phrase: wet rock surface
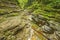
(29,20)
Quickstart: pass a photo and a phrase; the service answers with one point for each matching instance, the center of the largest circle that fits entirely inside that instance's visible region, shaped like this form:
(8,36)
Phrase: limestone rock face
(29,20)
(14,24)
